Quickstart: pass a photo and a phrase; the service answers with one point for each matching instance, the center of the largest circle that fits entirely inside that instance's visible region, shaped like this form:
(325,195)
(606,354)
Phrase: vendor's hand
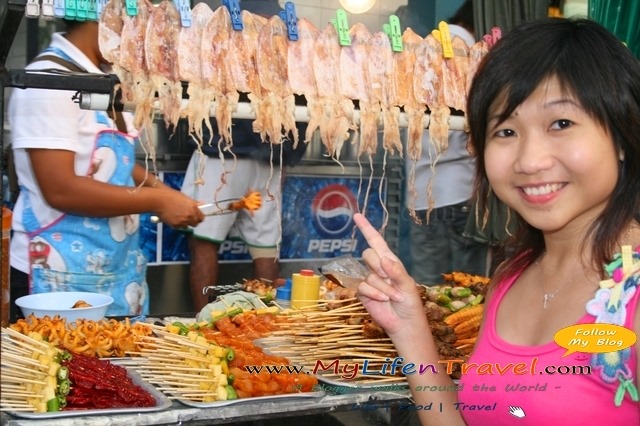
(389,293)
(177,210)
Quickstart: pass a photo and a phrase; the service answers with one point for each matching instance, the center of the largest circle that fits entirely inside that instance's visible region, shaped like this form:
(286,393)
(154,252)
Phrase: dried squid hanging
(380,67)
(301,75)
(217,83)
(355,84)
(337,116)
(277,110)
(242,60)
(190,71)
(161,54)
(404,66)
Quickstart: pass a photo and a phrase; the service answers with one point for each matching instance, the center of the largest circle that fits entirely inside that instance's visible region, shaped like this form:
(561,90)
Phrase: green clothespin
(70,9)
(92,10)
(81,10)
(343,28)
(132,7)
(386,28)
(396,34)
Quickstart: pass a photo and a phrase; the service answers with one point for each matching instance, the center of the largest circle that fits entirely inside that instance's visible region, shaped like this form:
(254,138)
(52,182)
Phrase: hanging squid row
(153,55)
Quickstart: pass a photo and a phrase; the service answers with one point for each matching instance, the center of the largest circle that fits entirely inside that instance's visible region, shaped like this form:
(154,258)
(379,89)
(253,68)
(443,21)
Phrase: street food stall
(353,163)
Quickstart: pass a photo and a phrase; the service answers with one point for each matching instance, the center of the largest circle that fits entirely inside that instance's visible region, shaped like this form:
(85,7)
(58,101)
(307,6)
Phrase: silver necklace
(546,297)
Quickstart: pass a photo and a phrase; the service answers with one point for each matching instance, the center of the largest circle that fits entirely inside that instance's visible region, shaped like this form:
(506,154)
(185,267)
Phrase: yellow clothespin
(436,35)
(445,39)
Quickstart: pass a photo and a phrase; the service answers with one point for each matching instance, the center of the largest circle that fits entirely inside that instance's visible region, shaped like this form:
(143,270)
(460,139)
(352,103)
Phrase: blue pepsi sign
(317,215)
(317,221)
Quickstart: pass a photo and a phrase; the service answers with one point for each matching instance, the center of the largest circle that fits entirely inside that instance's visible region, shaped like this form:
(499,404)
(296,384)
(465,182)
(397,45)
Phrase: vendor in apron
(95,254)
(76,220)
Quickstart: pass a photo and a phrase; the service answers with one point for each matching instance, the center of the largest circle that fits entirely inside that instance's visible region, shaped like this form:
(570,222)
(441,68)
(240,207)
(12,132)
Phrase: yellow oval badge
(594,338)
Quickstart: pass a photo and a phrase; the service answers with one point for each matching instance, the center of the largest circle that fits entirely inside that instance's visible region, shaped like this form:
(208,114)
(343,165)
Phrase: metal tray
(257,399)
(162,403)
(346,386)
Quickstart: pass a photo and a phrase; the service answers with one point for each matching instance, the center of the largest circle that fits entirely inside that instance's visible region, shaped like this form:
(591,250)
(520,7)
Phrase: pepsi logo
(333,208)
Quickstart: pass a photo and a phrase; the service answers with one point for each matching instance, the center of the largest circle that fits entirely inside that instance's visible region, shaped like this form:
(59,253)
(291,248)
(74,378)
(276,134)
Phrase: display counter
(361,407)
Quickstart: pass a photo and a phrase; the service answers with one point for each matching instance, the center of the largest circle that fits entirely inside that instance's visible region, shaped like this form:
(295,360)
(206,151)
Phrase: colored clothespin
(70,9)
(288,15)
(395,33)
(47,11)
(81,10)
(342,26)
(32,9)
(58,8)
(445,39)
(436,35)
(92,10)
(100,6)
(234,11)
(386,28)
(184,8)
(132,7)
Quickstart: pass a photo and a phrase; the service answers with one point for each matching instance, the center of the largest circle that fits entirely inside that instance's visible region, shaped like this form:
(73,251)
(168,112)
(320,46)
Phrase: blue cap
(283,293)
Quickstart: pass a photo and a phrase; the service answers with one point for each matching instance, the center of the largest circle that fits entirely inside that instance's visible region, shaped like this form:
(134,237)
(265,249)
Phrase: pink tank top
(545,399)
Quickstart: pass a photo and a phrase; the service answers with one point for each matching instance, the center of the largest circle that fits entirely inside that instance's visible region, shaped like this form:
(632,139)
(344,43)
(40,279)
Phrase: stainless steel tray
(162,403)
(257,399)
(346,386)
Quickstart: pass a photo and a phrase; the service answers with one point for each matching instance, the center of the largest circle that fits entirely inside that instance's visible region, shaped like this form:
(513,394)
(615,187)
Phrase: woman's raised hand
(389,293)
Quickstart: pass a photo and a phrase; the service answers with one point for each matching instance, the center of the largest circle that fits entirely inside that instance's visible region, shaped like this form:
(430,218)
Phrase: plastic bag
(346,271)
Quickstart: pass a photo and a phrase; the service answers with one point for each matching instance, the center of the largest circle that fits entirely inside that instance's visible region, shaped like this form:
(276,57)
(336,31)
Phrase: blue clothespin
(70,9)
(81,10)
(132,7)
(92,10)
(100,6)
(234,11)
(184,8)
(289,17)
(58,8)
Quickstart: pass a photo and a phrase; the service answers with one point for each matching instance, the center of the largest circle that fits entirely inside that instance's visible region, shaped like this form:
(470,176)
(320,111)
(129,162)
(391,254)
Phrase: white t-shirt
(48,119)
(454,170)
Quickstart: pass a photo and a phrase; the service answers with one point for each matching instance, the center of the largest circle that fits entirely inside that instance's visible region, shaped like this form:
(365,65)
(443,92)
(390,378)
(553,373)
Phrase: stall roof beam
(10,18)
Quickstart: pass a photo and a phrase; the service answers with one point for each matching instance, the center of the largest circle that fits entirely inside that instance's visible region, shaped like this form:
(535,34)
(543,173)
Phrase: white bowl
(61,302)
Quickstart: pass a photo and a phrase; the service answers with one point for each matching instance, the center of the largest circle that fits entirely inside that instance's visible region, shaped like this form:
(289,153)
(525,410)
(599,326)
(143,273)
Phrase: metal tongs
(210,209)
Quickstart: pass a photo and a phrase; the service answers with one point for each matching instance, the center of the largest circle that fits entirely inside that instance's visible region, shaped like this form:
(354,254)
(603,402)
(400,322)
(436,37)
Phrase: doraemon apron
(77,253)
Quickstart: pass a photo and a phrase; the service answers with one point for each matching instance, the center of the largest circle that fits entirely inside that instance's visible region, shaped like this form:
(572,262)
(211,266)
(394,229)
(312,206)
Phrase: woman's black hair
(603,75)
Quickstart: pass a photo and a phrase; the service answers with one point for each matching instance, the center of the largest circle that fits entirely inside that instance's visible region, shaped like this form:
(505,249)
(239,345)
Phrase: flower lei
(609,306)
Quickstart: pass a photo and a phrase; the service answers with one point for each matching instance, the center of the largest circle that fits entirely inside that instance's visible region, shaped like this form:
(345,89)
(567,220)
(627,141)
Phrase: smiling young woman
(554,117)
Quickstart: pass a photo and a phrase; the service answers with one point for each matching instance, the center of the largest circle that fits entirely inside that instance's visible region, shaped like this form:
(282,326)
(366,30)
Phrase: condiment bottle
(305,289)
(6,234)
(283,295)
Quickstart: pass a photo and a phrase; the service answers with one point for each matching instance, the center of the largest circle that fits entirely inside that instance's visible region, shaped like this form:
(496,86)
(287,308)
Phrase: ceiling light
(357,6)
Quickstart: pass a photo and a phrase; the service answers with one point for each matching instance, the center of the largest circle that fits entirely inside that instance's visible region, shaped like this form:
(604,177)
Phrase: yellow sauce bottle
(305,289)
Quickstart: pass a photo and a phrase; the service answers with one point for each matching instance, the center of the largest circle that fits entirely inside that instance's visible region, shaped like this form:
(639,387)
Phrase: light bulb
(357,6)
